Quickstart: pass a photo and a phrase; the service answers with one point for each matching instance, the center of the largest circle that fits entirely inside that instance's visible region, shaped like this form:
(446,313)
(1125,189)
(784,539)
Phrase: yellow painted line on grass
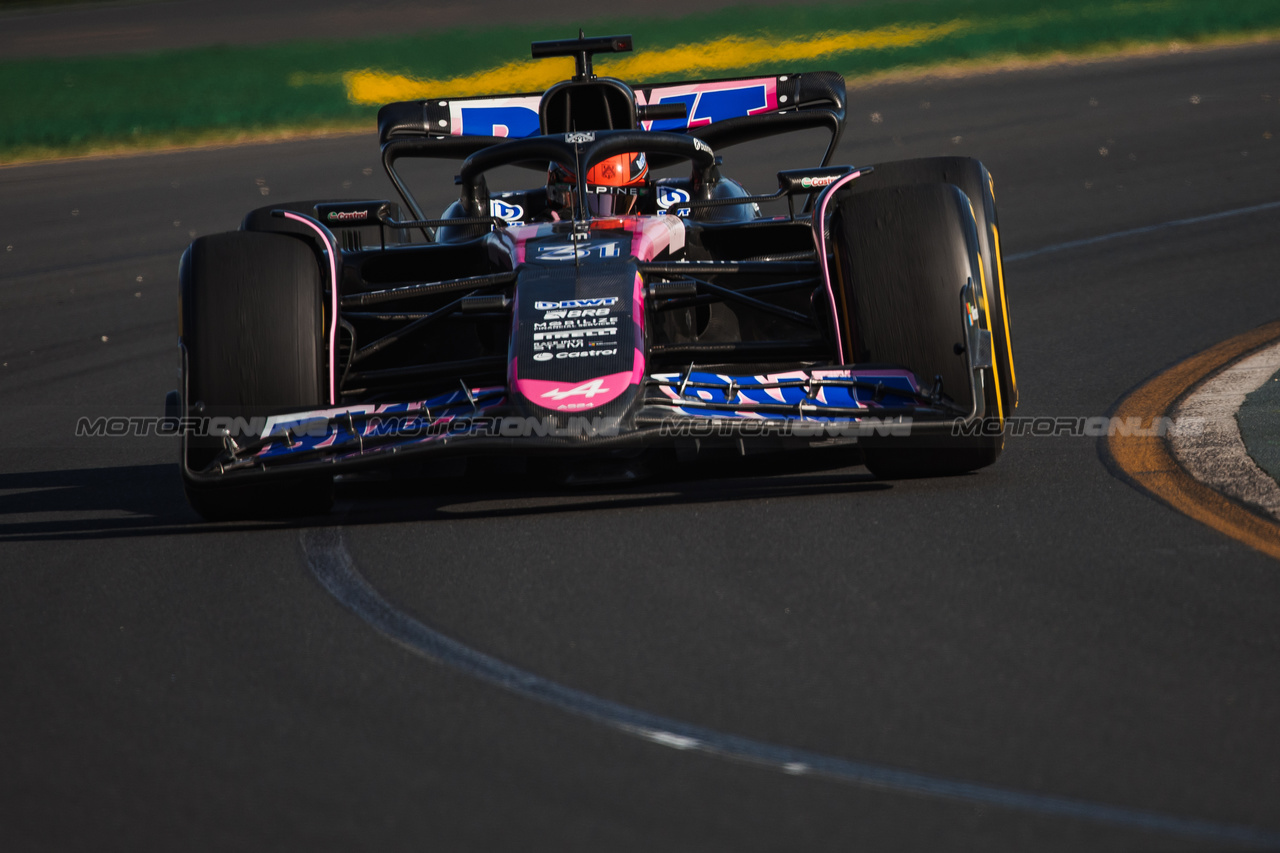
(1148,462)
(372,86)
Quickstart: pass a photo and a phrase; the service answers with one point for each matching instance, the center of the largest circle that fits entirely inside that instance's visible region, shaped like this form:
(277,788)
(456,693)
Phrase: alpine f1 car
(606,313)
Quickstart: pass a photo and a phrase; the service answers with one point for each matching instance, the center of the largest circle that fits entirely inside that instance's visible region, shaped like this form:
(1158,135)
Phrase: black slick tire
(252,330)
(903,256)
(974,181)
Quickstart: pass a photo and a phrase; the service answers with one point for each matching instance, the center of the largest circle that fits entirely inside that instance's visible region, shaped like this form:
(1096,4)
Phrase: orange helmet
(613,184)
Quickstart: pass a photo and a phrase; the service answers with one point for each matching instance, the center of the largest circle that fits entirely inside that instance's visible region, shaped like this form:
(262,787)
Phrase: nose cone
(577,339)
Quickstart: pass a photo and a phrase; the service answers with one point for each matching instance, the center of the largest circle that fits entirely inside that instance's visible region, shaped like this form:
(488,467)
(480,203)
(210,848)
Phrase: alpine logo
(587,389)
(576,303)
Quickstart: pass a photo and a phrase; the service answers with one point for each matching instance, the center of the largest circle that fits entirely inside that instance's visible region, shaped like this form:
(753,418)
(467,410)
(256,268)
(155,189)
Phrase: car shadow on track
(78,503)
(363,504)
(147,500)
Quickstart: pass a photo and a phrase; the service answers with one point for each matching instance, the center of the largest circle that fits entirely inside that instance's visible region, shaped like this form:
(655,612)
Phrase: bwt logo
(706,103)
(576,303)
(503,117)
(667,196)
(506,212)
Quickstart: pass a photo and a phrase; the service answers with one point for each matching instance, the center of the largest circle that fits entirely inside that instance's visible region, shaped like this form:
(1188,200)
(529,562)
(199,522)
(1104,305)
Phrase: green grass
(22,5)
(68,106)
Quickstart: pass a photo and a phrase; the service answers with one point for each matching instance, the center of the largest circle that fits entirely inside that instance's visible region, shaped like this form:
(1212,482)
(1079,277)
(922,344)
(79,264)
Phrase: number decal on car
(566,251)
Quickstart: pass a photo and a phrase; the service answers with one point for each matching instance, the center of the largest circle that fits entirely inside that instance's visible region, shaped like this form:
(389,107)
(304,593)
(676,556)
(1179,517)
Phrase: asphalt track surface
(1039,628)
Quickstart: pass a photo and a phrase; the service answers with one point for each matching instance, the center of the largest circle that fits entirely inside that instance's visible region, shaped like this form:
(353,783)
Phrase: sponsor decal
(576,303)
(588,320)
(668,196)
(586,353)
(575,313)
(575,332)
(542,356)
(505,211)
(558,345)
(347,215)
(564,334)
(701,146)
(504,117)
(711,102)
(568,328)
(516,117)
(819,182)
(605,189)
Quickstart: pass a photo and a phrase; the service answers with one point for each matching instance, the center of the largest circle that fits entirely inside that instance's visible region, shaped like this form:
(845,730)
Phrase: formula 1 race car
(605,314)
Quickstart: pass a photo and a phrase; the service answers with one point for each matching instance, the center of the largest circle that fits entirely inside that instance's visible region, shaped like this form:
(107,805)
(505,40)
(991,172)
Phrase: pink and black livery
(871,305)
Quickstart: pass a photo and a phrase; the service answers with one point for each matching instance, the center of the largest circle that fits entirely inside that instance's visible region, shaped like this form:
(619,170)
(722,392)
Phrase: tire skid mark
(332,566)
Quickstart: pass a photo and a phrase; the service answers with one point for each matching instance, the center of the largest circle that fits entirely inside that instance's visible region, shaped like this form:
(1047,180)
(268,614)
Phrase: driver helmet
(613,185)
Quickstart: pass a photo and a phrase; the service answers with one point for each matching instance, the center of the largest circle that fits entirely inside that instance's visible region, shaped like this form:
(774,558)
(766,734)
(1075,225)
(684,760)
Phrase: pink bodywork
(650,235)
(332,251)
(819,238)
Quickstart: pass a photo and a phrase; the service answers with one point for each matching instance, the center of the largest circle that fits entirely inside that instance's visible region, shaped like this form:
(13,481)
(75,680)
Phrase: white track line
(1216,455)
(1146,229)
(332,566)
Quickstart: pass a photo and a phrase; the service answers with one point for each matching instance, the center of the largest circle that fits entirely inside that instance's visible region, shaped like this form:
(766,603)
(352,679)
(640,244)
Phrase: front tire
(252,329)
(974,181)
(904,255)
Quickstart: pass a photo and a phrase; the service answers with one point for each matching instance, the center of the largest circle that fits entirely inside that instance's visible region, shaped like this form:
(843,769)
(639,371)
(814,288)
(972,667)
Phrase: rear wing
(720,112)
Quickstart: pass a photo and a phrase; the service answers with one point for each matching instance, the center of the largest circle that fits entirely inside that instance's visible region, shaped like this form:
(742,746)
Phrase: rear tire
(252,328)
(903,256)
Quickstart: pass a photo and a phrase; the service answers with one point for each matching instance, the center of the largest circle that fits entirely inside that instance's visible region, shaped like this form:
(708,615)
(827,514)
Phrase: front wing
(842,405)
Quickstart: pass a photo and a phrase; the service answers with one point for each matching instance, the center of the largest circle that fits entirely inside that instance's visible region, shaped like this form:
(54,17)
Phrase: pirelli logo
(605,332)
